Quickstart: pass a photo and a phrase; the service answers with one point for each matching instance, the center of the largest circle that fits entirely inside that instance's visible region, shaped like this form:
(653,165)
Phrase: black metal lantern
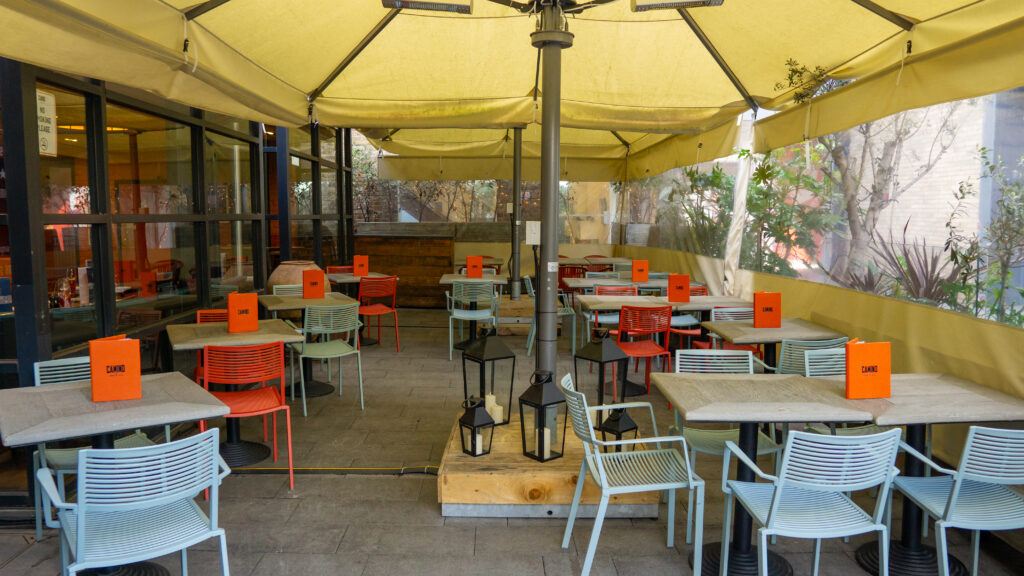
(540,408)
(477,428)
(604,351)
(486,351)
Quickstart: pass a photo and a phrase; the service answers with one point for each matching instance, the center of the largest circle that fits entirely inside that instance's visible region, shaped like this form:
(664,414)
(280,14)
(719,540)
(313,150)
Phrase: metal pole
(551,39)
(517,201)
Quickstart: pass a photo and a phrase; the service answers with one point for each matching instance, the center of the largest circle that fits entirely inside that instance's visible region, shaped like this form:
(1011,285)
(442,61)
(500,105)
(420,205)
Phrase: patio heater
(540,409)
(489,351)
(476,428)
(604,352)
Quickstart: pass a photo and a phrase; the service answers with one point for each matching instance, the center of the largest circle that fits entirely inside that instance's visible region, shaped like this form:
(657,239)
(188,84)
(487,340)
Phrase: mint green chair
(136,504)
(322,323)
(469,302)
(564,311)
(653,469)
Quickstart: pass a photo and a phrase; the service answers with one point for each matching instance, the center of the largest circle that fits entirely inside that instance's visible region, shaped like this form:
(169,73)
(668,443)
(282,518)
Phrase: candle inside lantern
(478,444)
(496,411)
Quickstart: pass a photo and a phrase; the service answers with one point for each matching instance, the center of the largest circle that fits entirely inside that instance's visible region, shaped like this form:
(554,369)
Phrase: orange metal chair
(698,290)
(608,318)
(599,267)
(497,267)
(570,272)
(241,365)
(380,288)
(643,333)
(202,317)
(339,269)
(691,333)
(727,314)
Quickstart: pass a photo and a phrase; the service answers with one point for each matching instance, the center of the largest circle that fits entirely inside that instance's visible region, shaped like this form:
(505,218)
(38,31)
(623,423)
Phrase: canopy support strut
(887,14)
(351,56)
(203,8)
(699,33)
(517,201)
(551,39)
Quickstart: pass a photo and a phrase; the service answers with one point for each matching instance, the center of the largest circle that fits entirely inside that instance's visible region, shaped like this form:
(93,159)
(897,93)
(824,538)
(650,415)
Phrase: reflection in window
(149,163)
(328,190)
(229,181)
(63,157)
(300,139)
(300,186)
(70,283)
(329,242)
(154,269)
(230,259)
(302,239)
(328,144)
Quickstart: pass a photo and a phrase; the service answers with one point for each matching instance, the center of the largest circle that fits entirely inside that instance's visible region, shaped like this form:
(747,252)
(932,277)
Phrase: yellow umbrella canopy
(653,79)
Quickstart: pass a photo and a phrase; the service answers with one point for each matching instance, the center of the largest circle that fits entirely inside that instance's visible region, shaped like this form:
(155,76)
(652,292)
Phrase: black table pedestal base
(739,563)
(633,389)
(920,561)
(314,389)
(244,453)
(138,569)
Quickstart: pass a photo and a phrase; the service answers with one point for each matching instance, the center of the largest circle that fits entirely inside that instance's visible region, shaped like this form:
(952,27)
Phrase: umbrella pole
(551,39)
(517,201)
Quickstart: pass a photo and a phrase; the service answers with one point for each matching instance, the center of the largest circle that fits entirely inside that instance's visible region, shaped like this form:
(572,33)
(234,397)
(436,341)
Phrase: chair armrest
(928,461)
(650,409)
(732,449)
(45,478)
(224,468)
(651,440)
(766,367)
(293,326)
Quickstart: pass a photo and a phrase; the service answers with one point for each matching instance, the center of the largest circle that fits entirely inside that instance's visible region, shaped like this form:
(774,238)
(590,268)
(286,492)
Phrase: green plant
(1004,235)
(919,273)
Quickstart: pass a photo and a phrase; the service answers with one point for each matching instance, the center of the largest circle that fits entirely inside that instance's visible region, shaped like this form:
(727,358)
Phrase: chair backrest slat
(714,362)
(243,364)
(838,463)
(592,274)
(288,290)
(698,290)
(791,353)
(212,315)
(993,455)
(641,321)
(826,362)
(378,287)
(63,370)
(528,283)
(331,319)
(339,269)
(731,314)
(615,290)
(480,292)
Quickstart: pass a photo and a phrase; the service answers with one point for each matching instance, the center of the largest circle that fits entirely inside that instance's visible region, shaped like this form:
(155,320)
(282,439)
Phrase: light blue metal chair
(791,354)
(322,323)
(288,290)
(602,275)
(593,320)
(460,301)
(832,362)
(655,291)
(977,495)
(564,311)
(136,504)
(808,498)
(622,266)
(713,441)
(64,461)
(654,469)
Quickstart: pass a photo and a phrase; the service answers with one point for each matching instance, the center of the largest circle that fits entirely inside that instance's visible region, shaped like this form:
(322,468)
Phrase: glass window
(154,271)
(63,154)
(230,259)
(3,175)
(150,163)
(300,186)
(229,122)
(328,143)
(300,139)
(302,239)
(70,283)
(229,181)
(8,349)
(273,243)
(269,134)
(328,190)
(329,242)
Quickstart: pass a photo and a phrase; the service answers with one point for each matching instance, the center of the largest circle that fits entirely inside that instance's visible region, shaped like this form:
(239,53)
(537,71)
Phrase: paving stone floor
(352,512)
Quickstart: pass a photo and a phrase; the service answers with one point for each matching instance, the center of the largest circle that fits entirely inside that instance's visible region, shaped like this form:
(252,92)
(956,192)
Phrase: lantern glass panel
(540,431)
(477,441)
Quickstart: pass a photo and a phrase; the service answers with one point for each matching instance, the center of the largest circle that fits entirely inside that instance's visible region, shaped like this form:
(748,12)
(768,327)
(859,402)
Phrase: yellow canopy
(659,79)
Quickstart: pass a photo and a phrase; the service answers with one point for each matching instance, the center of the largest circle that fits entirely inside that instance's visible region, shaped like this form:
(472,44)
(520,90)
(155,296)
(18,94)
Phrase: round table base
(244,453)
(367,341)
(740,564)
(922,561)
(138,569)
(632,389)
(314,389)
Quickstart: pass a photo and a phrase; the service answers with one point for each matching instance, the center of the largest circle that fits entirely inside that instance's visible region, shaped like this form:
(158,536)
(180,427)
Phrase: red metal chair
(698,290)
(242,365)
(497,267)
(570,272)
(598,267)
(608,318)
(202,317)
(643,333)
(339,269)
(690,333)
(380,288)
(727,314)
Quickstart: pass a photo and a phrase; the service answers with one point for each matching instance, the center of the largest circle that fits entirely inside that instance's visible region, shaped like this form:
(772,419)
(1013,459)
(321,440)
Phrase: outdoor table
(609,260)
(40,414)
(918,400)
(184,337)
(281,303)
(743,332)
(696,303)
(590,283)
(350,278)
(752,399)
(449,279)
(573,262)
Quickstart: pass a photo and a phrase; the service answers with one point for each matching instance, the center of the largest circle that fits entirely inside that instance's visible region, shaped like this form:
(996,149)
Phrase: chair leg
(762,552)
(573,334)
(689,517)
(595,534)
(883,552)
(64,554)
(38,496)
(698,540)
(530,336)
(302,386)
(726,535)
(451,345)
(359,365)
(975,541)
(398,346)
(184,562)
(941,549)
(817,555)
(288,432)
(574,508)
(224,569)
(671,517)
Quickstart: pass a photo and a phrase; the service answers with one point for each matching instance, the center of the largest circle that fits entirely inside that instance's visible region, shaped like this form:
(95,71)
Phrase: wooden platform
(505,483)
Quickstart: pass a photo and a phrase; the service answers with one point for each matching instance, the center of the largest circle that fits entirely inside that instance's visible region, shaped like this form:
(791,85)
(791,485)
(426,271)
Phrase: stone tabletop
(278,303)
(588,283)
(195,336)
(349,278)
(759,398)
(449,279)
(573,262)
(696,303)
(62,411)
(743,332)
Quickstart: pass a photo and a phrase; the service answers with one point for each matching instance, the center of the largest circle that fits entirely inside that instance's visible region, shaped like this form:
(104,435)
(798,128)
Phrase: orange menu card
(115,367)
(474,266)
(243,315)
(640,270)
(678,287)
(767,309)
(313,283)
(360,265)
(868,369)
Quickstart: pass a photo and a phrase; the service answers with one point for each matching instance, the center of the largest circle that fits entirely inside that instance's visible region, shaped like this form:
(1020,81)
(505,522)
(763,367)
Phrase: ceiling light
(645,5)
(463,7)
